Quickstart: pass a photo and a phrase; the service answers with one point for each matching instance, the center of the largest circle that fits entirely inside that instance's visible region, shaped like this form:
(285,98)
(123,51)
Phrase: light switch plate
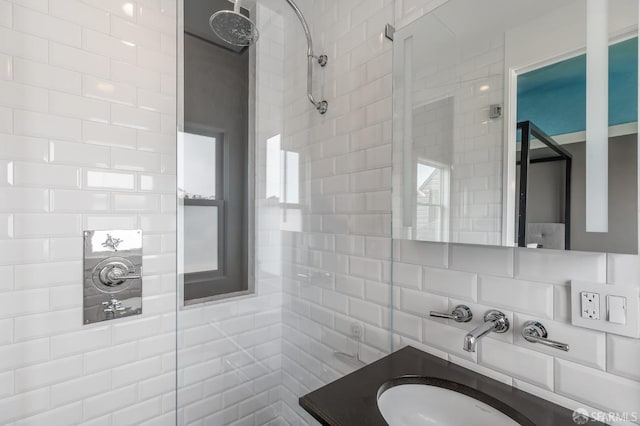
(630,293)
(617,309)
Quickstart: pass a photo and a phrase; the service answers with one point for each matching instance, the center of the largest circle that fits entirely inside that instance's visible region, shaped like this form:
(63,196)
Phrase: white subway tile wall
(87,141)
(70,165)
(347,185)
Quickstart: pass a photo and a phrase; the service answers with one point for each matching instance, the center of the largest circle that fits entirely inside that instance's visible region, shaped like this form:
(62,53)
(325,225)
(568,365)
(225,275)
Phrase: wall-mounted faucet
(493,321)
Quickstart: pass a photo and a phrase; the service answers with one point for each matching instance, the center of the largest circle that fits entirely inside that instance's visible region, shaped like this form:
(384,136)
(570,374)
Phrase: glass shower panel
(318,307)
(229,350)
(336,298)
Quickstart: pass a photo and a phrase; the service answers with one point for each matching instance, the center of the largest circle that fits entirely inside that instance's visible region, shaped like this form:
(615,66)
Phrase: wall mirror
(515,124)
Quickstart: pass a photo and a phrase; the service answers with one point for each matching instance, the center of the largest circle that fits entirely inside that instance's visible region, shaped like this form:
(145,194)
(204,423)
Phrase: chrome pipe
(322,105)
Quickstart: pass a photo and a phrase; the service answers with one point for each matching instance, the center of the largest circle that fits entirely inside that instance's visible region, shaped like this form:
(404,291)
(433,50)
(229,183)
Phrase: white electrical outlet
(605,307)
(590,305)
(356,330)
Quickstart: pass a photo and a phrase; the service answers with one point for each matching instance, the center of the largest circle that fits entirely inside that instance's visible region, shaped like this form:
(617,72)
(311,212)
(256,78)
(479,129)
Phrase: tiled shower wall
(87,141)
(337,268)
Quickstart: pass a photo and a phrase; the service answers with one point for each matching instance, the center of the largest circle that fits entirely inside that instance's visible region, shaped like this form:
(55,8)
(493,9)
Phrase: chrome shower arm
(321,106)
(305,26)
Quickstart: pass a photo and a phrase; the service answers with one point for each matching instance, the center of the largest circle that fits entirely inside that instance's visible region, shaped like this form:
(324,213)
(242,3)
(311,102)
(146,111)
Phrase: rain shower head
(233,27)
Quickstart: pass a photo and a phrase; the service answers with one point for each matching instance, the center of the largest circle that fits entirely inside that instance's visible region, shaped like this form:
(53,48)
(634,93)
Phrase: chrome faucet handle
(115,273)
(535,332)
(460,313)
(498,319)
(113,306)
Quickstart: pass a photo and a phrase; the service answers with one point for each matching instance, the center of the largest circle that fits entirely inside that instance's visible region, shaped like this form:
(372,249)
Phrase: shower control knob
(112,271)
(113,306)
(116,273)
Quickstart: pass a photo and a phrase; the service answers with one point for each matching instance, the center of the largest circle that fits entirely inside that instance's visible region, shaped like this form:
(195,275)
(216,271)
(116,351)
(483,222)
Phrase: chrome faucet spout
(493,321)
(472,337)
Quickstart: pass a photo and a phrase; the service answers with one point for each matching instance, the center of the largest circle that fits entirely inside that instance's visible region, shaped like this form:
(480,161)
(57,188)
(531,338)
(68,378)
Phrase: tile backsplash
(524,300)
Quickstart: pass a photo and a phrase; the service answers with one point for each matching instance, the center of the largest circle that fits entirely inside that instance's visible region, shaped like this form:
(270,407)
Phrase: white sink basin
(421,405)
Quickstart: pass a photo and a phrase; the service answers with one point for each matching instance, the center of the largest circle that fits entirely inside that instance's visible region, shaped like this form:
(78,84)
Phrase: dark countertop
(352,399)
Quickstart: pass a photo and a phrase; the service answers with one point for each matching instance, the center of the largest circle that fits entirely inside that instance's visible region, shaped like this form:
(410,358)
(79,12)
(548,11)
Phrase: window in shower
(283,183)
(206,186)
(203,205)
